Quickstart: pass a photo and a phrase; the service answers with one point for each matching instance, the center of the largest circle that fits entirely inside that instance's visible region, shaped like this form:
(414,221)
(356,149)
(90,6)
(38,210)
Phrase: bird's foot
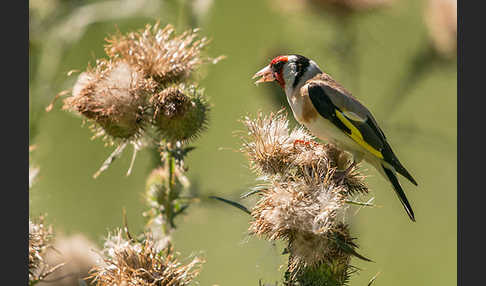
(340,175)
(306,143)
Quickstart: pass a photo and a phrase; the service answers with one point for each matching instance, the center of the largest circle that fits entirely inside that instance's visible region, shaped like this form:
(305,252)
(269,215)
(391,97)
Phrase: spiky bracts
(278,153)
(39,237)
(140,263)
(180,112)
(160,53)
(304,198)
(126,92)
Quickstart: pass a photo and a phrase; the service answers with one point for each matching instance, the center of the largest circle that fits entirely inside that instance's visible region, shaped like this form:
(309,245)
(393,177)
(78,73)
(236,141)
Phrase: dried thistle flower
(441,20)
(180,112)
(138,96)
(79,255)
(113,94)
(40,236)
(309,252)
(161,54)
(274,151)
(302,200)
(286,207)
(131,263)
(270,146)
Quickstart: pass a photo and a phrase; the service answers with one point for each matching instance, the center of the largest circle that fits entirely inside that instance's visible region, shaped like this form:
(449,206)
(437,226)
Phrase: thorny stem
(171,195)
(170,187)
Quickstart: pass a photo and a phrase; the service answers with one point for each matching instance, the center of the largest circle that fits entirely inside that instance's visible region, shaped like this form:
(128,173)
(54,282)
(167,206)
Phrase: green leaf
(349,248)
(233,203)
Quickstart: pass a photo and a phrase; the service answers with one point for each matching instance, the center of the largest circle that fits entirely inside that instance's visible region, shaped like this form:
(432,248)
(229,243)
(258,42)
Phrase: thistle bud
(156,188)
(180,113)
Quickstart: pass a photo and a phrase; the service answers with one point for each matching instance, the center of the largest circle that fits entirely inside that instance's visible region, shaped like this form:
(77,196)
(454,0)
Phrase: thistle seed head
(310,251)
(269,145)
(160,53)
(40,236)
(302,200)
(79,255)
(132,263)
(289,207)
(113,94)
(274,151)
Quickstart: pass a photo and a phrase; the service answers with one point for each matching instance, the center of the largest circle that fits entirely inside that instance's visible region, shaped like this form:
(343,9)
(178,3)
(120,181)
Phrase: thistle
(162,55)
(180,112)
(113,95)
(139,263)
(78,254)
(143,93)
(302,200)
(40,237)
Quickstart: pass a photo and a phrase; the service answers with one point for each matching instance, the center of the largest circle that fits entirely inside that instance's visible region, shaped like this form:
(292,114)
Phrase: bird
(333,114)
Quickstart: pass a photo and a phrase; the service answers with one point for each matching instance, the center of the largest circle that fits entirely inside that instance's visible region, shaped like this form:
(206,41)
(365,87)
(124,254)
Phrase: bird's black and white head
(290,71)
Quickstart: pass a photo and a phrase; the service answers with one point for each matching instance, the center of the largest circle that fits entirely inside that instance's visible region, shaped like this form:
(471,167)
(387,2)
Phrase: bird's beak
(266,74)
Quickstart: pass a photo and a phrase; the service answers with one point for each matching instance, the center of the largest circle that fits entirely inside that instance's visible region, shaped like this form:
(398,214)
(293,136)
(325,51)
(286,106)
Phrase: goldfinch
(331,113)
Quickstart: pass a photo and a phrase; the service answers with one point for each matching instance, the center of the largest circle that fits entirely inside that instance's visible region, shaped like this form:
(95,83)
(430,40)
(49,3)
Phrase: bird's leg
(306,143)
(341,175)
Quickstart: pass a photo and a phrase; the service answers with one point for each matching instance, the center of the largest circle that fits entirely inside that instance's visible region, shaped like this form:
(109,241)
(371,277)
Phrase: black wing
(363,131)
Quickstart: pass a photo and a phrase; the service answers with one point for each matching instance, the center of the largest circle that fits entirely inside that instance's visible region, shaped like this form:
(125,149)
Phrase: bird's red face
(273,72)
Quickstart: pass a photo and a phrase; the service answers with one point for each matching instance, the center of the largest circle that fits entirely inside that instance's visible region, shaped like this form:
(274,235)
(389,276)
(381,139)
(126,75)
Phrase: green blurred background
(384,57)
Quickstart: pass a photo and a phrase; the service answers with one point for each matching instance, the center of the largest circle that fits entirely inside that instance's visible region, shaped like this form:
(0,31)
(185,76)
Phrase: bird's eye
(277,67)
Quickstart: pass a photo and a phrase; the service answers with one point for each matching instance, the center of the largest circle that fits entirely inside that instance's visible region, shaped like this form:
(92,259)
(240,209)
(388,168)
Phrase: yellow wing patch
(353,116)
(356,135)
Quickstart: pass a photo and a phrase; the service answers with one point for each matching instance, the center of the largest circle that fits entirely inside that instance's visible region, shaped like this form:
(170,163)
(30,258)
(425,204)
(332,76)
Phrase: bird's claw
(306,143)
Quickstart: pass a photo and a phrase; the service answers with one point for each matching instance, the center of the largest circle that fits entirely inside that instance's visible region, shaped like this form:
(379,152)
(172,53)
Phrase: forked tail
(398,189)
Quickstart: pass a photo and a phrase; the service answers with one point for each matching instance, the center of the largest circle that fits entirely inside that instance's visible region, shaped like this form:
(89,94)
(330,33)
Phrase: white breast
(324,129)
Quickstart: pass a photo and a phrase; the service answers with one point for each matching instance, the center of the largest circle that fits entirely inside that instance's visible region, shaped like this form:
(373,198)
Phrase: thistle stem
(170,187)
